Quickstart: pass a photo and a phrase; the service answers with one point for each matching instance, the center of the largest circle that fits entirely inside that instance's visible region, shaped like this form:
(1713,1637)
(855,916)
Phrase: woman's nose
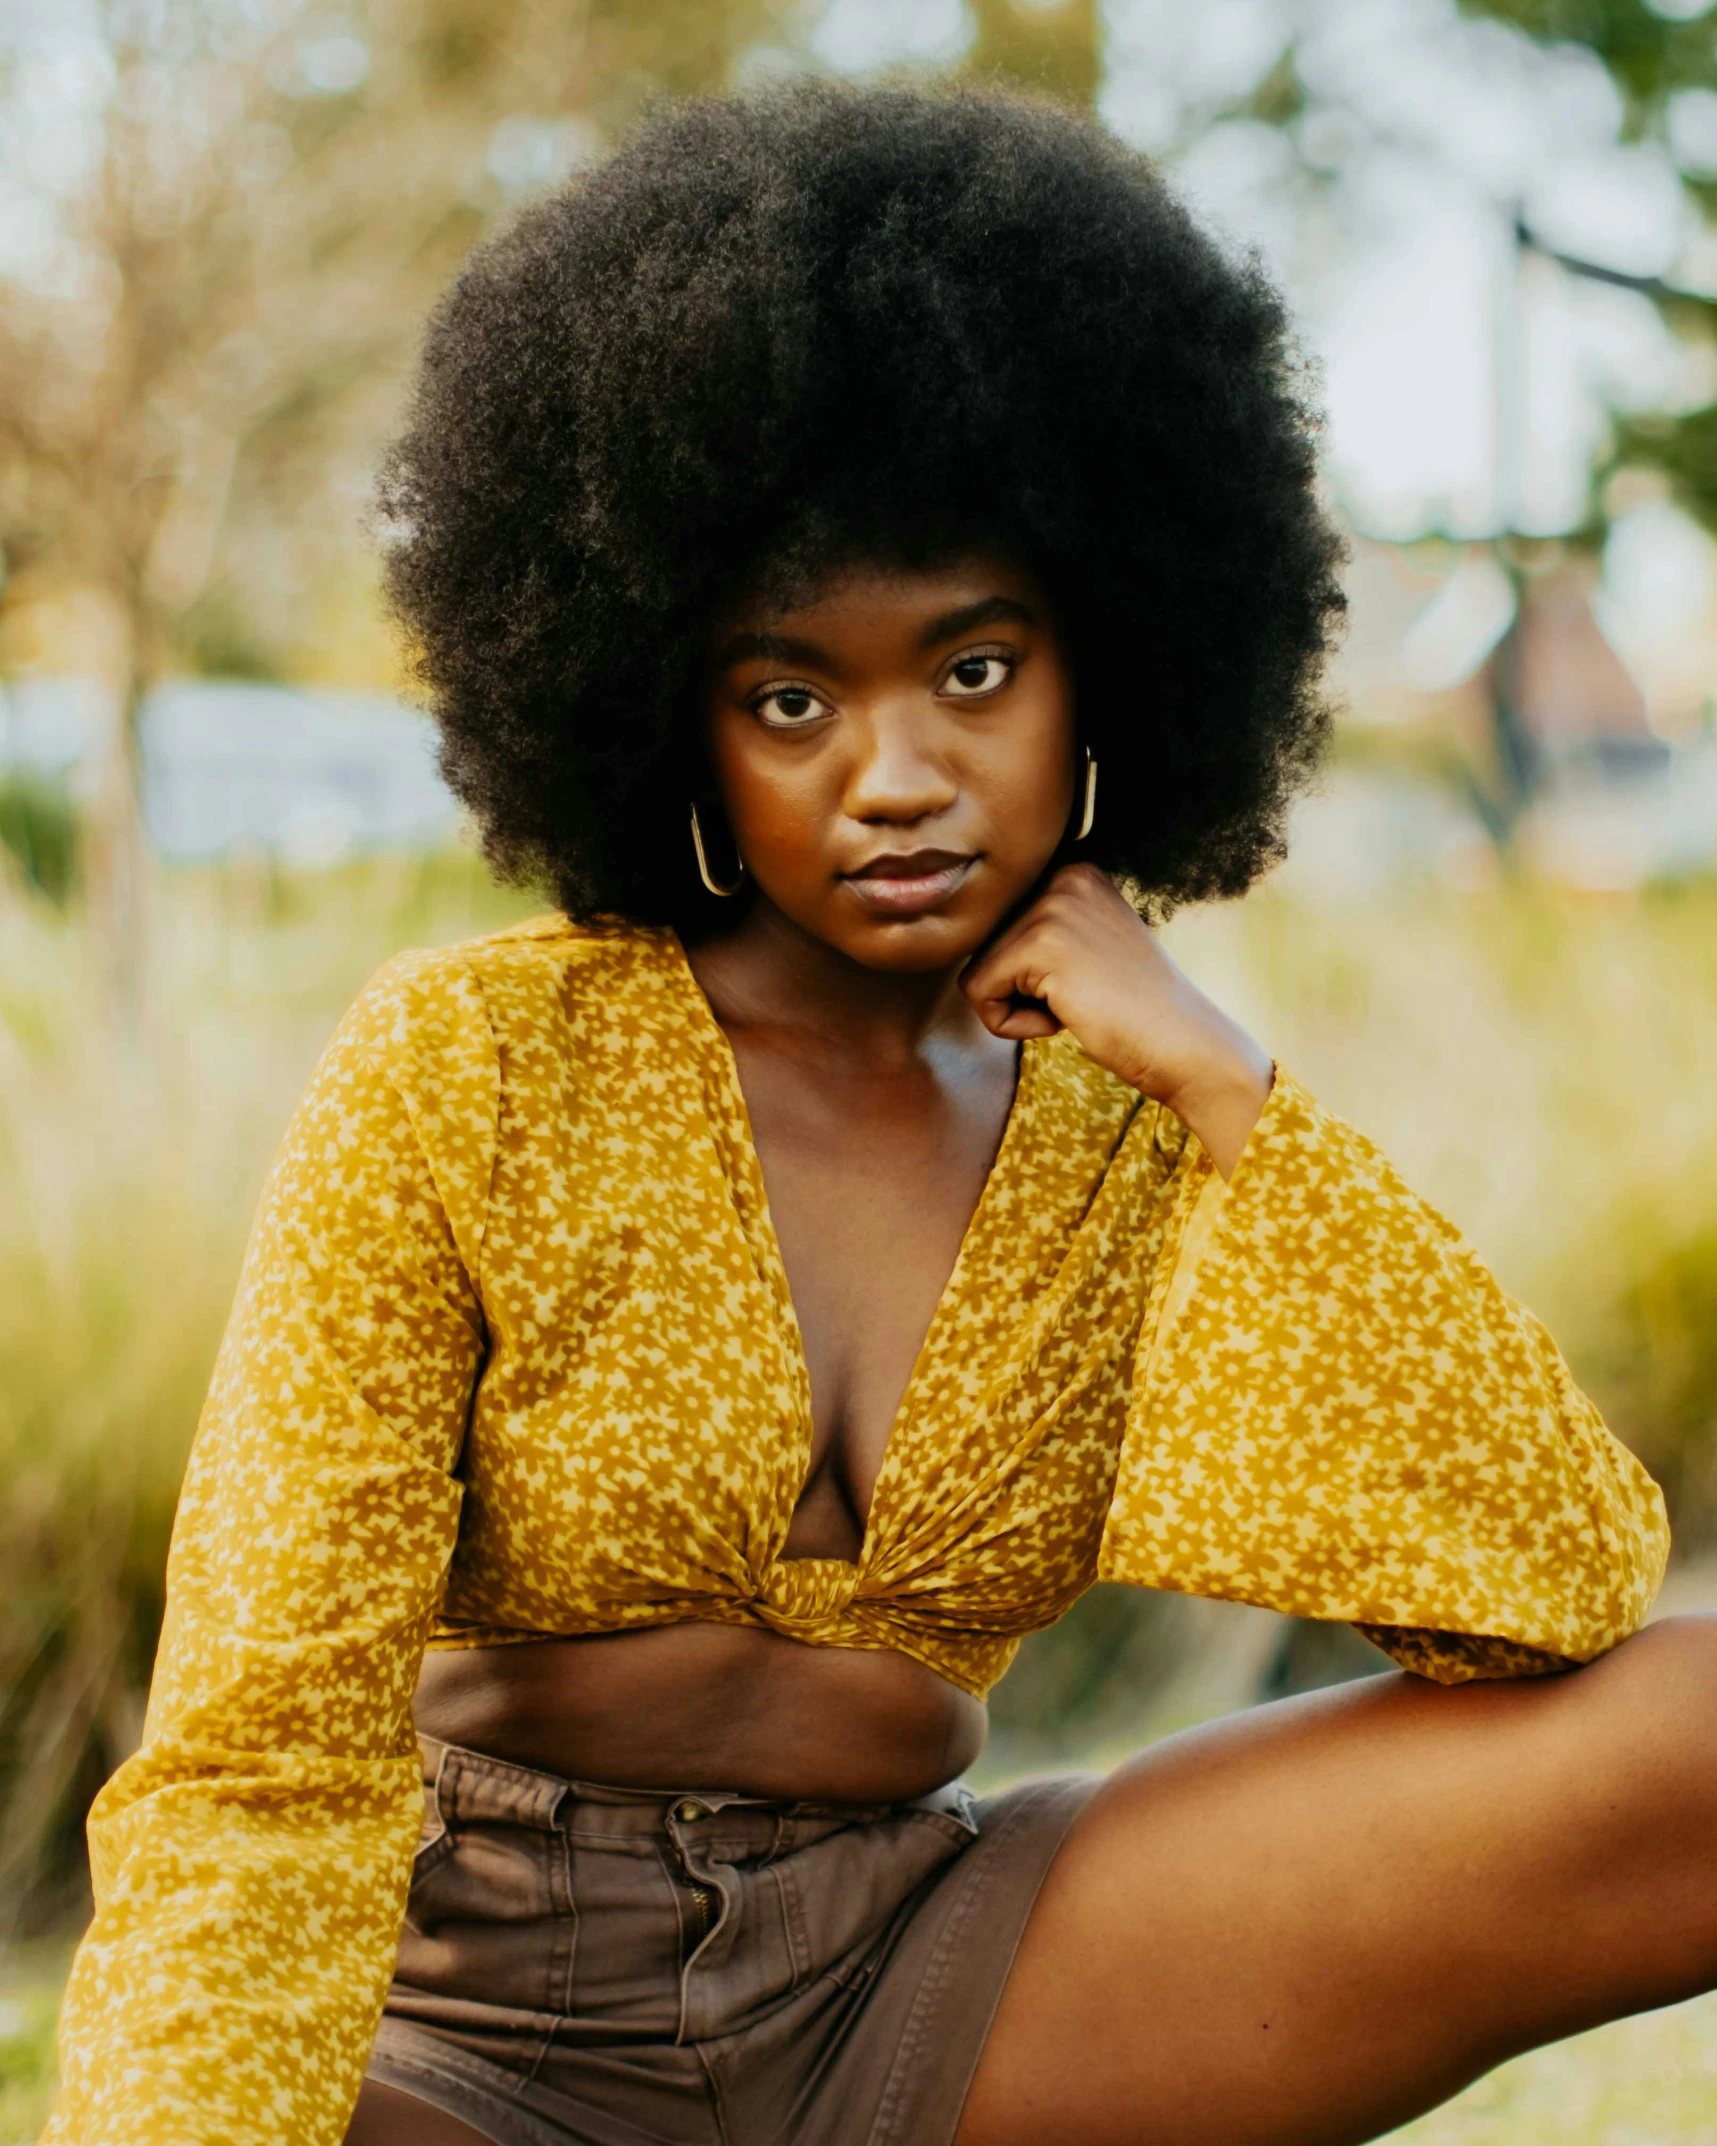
(897,775)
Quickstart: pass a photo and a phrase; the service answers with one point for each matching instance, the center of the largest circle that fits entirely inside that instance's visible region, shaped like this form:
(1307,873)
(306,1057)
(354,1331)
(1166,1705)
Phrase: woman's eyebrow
(772,648)
(749,647)
(984,612)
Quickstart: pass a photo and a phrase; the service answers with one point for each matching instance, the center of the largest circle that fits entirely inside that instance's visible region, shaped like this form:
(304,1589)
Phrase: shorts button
(688,1811)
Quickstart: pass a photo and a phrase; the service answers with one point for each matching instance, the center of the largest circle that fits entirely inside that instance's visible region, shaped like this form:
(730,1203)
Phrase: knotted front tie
(801,1595)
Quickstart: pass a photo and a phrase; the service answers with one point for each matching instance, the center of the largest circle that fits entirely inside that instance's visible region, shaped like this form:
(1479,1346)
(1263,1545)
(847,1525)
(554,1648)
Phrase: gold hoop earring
(1087,818)
(704,872)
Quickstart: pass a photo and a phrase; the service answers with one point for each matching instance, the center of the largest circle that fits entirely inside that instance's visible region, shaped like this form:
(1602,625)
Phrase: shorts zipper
(706,1898)
(704,1905)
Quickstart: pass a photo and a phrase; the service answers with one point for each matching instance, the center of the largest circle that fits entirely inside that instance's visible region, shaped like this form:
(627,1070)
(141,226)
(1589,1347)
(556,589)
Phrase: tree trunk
(117,861)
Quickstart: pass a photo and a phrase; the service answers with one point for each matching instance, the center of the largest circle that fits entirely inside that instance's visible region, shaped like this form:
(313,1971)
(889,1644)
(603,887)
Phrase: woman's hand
(1080,958)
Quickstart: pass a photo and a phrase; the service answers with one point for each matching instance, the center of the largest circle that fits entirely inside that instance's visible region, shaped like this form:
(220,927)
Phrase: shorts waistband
(475,1787)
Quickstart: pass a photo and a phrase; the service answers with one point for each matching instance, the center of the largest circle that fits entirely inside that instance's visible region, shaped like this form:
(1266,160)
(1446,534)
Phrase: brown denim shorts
(588,1966)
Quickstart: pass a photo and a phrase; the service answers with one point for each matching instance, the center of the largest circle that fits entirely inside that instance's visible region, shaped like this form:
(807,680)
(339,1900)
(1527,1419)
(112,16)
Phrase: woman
(848,537)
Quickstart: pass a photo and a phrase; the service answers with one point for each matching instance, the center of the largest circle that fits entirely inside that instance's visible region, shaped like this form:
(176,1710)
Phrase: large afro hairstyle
(781,333)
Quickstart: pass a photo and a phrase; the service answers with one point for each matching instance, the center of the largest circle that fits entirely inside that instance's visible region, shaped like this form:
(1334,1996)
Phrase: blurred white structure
(1363,836)
(310,776)
(313,777)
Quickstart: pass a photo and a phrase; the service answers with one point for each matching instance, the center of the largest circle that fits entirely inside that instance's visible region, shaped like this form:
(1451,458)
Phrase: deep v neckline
(745,1170)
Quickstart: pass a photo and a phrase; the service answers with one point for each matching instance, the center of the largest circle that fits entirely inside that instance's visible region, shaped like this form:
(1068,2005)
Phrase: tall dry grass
(129,1165)
(1541,1067)
(1544,1067)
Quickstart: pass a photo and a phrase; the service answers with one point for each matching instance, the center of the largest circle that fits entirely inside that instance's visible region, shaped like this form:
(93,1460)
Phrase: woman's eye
(788,707)
(974,675)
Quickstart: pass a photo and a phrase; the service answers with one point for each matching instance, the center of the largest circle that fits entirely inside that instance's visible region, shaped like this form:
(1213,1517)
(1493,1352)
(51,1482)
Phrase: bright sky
(1429,128)
(1465,387)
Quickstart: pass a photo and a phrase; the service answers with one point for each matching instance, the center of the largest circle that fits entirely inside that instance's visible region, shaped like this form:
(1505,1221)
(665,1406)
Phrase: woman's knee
(1646,1723)
(1667,1672)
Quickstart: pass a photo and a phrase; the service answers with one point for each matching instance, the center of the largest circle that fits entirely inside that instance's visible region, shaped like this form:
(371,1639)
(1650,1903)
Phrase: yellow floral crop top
(513,1354)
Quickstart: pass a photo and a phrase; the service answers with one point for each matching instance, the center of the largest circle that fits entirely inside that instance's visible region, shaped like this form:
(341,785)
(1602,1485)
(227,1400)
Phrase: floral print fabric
(514,1354)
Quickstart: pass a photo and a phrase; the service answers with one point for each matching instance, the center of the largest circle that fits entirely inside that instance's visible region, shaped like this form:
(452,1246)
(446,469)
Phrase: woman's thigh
(1303,1925)
(387,2117)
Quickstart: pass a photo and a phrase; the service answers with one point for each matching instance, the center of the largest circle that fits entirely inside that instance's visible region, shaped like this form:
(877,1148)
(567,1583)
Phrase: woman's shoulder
(447,1034)
(506,984)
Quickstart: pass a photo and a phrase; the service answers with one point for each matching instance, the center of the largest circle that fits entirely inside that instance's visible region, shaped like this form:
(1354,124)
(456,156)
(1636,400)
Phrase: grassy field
(1650,2081)
(129,1166)
(1541,1066)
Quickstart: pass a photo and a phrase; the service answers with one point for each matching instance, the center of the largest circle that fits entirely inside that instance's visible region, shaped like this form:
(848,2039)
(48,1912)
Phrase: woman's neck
(768,973)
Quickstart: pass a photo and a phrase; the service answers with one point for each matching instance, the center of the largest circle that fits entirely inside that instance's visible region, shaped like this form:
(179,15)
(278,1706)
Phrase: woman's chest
(872,1185)
(652,1369)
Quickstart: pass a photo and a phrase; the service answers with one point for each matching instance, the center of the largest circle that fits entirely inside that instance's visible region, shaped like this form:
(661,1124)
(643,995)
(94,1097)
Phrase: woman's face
(896,756)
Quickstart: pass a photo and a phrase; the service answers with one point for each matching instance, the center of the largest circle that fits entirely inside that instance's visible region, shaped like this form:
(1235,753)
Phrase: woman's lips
(903,888)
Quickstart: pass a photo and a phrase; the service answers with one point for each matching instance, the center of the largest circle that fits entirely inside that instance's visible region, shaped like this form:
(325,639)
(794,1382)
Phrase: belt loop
(443,1818)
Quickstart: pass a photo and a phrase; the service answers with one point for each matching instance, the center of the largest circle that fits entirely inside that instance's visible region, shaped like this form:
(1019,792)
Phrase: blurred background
(1494,944)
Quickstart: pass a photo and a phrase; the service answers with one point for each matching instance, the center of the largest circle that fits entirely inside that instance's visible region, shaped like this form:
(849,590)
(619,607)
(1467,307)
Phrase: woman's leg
(387,2117)
(1305,1924)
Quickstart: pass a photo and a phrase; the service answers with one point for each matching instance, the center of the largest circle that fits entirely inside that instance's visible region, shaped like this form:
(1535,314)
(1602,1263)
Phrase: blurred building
(1601,771)
(1614,782)
(309,775)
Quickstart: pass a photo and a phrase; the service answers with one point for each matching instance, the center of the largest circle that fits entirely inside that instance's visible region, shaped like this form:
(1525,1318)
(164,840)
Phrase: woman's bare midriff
(707,1706)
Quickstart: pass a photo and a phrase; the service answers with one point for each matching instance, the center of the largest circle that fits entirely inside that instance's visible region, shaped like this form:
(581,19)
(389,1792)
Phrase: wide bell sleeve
(251,1861)
(1337,1412)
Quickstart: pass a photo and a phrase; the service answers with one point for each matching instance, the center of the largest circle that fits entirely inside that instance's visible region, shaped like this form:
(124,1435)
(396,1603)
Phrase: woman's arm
(251,1860)
(1340,1413)
(1080,958)
(1337,1411)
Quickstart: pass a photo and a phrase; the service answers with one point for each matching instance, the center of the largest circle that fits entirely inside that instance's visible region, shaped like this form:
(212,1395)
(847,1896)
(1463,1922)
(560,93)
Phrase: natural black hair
(783,332)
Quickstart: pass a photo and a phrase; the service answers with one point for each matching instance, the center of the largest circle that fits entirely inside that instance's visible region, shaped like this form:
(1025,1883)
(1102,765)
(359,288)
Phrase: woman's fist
(1080,958)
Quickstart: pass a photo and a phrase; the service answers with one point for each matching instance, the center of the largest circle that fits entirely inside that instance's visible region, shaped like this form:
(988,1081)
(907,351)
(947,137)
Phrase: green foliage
(218,638)
(29,2007)
(1656,1366)
(129,1165)
(39,831)
(1685,449)
(1087,1682)
(1651,58)
(1649,55)
(1647,2081)
(1280,98)
(1054,50)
